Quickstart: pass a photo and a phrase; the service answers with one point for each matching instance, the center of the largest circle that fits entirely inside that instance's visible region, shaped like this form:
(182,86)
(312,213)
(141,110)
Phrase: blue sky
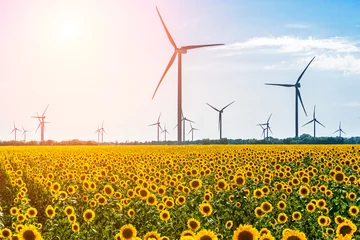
(95,61)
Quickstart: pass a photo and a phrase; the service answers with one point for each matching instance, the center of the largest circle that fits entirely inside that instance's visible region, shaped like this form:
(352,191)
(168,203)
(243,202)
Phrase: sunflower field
(180,192)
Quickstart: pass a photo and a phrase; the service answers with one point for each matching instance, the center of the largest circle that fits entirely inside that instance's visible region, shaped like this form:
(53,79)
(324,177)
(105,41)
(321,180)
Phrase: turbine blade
(302,104)
(336,131)
(227,106)
(314,112)
(159,117)
(342,131)
(45,110)
(269,118)
(175,126)
(319,123)
(189,120)
(12,131)
(280,85)
(270,130)
(166,70)
(304,71)
(160,127)
(201,46)
(213,107)
(152,124)
(38,127)
(166,30)
(307,123)
(190,131)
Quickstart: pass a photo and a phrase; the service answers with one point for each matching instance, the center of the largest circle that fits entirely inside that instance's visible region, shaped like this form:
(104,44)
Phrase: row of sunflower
(180,192)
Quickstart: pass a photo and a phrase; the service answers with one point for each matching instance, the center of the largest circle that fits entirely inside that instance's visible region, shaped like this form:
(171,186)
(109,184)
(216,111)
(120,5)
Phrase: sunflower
(195,184)
(206,235)
(345,228)
(72,218)
(151,200)
(264,231)
(169,203)
(50,211)
(31,212)
(258,193)
(205,209)
(352,196)
(161,206)
(180,200)
(266,207)
(282,218)
(281,205)
(29,232)
(89,215)
(310,207)
(304,191)
(127,232)
(69,210)
(108,190)
(21,218)
(293,235)
(259,212)
(245,232)
(6,233)
(164,215)
(330,231)
(152,235)
(75,227)
(267,237)
(188,233)
(322,221)
(101,200)
(131,212)
(193,224)
(55,187)
(339,177)
(229,224)
(14,211)
(321,203)
(186,238)
(296,216)
(353,210)
(239,180)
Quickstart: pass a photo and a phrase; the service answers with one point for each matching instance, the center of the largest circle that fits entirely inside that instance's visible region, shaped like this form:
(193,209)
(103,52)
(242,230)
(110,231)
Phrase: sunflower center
(88,215)
(206,209)
(193,224)
(245,235)
(205,238)
(345,230)
(29,235)
(127,233)
(266,207)
(293,238)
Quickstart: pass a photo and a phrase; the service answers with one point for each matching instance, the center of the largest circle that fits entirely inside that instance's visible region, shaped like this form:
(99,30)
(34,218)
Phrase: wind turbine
(102,131)
(158,126)
(41,123)
(297,96)
(315,121)
(165,131)
(267,128)
(177,51)
(340,130)
(192,132)
(220,114)
(98,131)
(263,131)
(15,130)
(24,132)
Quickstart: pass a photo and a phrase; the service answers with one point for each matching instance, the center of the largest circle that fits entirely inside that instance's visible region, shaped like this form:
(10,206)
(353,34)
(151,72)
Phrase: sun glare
(67,28)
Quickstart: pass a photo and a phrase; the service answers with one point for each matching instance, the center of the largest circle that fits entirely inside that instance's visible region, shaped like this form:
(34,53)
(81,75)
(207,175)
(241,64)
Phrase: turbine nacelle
(181,50)
(298,85)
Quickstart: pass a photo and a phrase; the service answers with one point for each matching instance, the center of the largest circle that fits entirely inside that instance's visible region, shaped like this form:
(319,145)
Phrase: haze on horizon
(94,61)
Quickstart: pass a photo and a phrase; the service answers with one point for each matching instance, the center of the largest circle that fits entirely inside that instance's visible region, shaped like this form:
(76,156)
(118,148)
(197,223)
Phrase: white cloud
(297,26)
(290,44)
(336,53)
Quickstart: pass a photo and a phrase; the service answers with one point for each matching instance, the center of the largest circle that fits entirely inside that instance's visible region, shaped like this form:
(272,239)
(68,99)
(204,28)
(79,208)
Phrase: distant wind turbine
(315,121)
(220,116)
(178,51)
(263,134)
(15,130)
(41,123)
(98,131)
(267,127)
(102,131)
(158,126)
(340,130)
(165,131)
(24,132)
(192,132)
(184,120)
(297,96)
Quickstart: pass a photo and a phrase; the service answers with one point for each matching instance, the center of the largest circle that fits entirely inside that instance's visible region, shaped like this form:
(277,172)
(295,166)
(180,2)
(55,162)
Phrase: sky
(94,61)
